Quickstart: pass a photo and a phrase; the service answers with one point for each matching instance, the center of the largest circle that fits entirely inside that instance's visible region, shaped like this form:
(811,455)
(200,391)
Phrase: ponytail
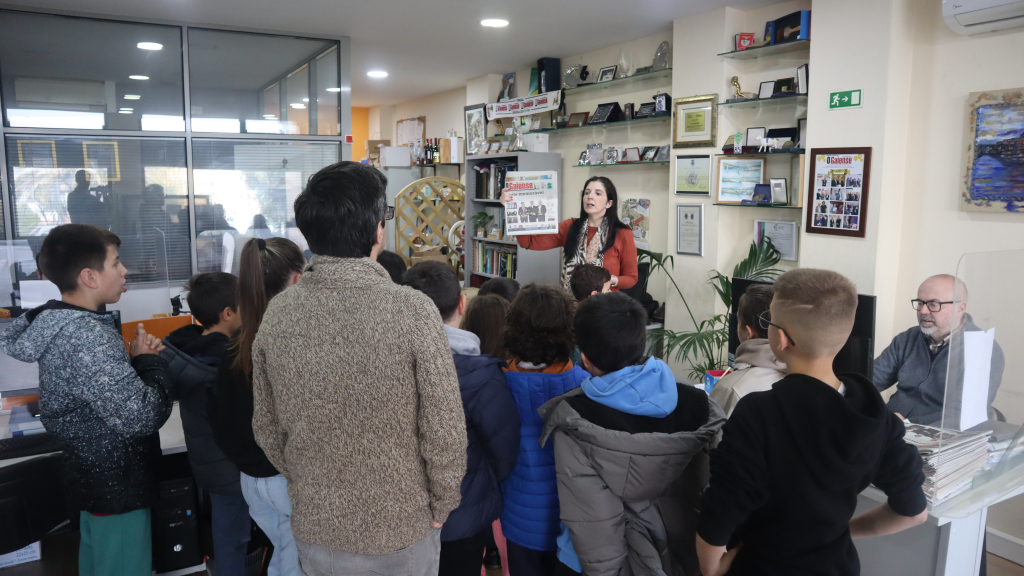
(265,269)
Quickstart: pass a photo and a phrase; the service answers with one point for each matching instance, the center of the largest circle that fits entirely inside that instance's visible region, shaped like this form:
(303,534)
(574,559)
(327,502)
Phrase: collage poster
(637,215)
(532,207)
(838,182)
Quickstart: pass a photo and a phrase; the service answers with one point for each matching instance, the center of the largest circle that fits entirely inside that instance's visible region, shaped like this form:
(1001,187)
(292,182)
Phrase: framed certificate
(690,229)
(693,175)
(696,121)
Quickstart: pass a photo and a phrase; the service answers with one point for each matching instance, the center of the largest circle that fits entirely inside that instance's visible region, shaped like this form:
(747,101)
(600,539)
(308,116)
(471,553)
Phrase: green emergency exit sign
(845,99)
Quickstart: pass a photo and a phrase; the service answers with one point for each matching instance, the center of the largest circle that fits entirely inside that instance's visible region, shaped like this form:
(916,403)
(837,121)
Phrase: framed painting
(103,156)
(476,129)
(993,178)
(838,191)
(737,178)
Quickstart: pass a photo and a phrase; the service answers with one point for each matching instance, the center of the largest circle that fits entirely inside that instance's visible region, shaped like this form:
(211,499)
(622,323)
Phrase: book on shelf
(495,259)
(490,178)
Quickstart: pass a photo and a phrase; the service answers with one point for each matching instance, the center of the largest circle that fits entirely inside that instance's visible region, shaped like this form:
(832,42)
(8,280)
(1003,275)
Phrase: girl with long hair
(596,237)
(267,268)
(485,317)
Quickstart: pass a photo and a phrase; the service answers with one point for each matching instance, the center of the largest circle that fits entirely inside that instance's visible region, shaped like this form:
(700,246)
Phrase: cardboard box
(452,151)
(396,156)
(428,254)
(29,553)
(373,148)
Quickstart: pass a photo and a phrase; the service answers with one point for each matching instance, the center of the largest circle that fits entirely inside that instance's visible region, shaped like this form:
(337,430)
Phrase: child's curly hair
(539,326)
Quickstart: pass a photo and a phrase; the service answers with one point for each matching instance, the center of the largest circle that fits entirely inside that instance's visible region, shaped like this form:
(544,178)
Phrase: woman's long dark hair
(580,225)
(485,317)
(265,269)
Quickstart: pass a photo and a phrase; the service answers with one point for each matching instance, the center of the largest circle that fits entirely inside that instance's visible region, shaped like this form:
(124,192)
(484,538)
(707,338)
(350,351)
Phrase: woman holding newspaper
(597,237)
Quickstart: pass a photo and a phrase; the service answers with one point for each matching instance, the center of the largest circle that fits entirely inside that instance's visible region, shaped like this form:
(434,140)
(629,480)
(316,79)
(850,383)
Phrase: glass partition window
(255,83)
(327,93)
(134,187)
(246,189)
(80,73)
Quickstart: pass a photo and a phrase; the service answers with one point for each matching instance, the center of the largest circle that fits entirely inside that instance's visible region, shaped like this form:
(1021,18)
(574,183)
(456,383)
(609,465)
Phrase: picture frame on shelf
(583,158)
(784,86)
(611,155)
(577,119)
(649,154)
(696,121)
(693,175)
(607,73)
(476,128)
(801,133)
(494,145)
(631,155)
(595,154)
(663,154)
(628,111)
(535,125)
(766,89)
(754,134)
(737,177)
(780,191)
(646,110)
(661,104)
(690,229)
(607,112)
(845,174)
(801,79)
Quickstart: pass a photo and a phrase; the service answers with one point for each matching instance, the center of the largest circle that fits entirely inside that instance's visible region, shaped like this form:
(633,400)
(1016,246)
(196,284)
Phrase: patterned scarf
(586,252)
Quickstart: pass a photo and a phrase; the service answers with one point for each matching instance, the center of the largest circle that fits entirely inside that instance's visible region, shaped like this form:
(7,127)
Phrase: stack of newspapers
(951,459)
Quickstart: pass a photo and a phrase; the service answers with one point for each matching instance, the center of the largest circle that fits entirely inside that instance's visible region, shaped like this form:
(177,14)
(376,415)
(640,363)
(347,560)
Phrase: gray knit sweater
(356,402)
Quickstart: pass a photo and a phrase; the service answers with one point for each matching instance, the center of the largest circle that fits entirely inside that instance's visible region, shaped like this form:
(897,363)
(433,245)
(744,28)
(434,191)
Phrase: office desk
(172,439)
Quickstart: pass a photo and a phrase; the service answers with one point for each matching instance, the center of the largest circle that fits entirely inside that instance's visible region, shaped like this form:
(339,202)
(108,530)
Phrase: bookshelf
(531,266)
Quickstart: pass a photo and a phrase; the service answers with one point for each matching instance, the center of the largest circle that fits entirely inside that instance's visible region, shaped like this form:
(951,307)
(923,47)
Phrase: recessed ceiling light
(334,89)
(125,110)
(377,74)
(150,46)
(132,96)
(270,116)
(305,99)
(298,105)
(494,23)
(138,77)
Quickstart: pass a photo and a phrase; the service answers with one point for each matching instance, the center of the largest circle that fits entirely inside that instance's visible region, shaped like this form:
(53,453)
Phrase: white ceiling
(427,46)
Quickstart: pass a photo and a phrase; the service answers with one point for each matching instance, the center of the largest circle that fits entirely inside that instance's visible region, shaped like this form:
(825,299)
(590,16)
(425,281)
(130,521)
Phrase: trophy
(740,95)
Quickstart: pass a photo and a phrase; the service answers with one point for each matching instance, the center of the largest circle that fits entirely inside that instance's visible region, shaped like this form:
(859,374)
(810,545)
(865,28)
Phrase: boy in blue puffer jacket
(539,339)
(492,425)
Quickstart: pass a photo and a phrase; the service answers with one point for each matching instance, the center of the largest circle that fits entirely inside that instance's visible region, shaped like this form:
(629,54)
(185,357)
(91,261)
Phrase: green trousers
(116,545)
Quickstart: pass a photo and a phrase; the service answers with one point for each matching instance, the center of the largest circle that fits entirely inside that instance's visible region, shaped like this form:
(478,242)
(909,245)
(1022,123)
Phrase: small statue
(736,83)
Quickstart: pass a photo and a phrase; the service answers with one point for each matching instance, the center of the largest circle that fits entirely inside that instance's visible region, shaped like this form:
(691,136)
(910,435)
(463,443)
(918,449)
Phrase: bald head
(950,295)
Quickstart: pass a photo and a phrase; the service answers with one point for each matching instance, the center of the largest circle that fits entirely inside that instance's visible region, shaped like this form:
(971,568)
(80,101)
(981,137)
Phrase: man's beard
(928,328)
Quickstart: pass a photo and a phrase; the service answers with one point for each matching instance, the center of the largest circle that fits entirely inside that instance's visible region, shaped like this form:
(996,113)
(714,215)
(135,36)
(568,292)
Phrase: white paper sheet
(38,292)
(977,368)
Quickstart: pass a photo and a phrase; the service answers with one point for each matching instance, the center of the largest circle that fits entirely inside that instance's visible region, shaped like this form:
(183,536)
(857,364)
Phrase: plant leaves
(760,262)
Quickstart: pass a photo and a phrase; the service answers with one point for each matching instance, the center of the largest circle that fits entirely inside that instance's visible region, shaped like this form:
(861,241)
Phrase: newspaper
(532,206)
(927,439)
(951,458)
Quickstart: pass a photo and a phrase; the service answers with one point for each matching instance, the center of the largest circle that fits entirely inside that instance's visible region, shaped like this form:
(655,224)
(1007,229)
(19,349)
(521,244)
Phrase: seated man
(917,358)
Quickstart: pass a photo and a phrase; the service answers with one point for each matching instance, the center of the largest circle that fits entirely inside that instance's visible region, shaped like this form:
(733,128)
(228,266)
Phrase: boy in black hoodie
(195,353)
(785,479)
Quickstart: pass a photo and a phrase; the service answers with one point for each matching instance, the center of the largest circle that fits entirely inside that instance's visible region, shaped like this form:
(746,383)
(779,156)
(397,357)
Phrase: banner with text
(528,105)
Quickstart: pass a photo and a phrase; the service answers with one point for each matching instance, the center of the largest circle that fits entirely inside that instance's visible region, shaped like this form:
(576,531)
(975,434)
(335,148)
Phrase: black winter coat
(492,428)
(194,360)
(232,421)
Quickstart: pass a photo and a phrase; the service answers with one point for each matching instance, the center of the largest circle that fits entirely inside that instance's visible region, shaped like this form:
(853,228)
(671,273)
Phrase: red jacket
(619,260)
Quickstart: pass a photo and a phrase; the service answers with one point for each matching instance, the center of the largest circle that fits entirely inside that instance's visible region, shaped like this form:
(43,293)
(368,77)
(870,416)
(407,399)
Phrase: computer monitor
(857,356)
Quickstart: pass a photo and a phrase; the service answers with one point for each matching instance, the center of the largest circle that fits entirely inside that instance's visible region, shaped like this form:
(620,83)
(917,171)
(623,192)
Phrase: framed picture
(627,111)
(663,153)
(755,135)
(782,234)
(693,175)
(535,125)
(578,119)
(631,155)
(766,89)
(696,121)
(476,128)
(646,110)
(690,229)
(607,73)
(784,85)
(737,178)
(837,193)
(661,104)
(37,153)
(649,154)
(608,112)
(801,133)
(583,158)
(103,155)
(801,79)
(596,154)
(611,155)
(992,172)
(780,191)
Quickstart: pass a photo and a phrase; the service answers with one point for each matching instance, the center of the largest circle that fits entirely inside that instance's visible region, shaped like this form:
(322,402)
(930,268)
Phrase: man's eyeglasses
(389,213)
(764,319)
(933,305)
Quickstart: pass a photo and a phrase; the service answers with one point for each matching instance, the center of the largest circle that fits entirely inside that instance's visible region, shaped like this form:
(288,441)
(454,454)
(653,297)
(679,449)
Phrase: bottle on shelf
(437,150)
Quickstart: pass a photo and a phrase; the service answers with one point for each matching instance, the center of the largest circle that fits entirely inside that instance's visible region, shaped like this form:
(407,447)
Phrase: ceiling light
(138,77)
(132,96)
(377,74)
(125,110)
(305,99)
(494,23)
(334,89)
(270,116)
(150,46)
(298,105)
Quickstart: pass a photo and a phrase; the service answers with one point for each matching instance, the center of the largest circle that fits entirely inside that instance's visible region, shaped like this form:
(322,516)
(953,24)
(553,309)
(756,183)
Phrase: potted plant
(705,348)
(480,222)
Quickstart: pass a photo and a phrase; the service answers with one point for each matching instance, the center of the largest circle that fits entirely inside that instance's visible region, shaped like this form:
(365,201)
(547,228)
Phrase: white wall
(444,112)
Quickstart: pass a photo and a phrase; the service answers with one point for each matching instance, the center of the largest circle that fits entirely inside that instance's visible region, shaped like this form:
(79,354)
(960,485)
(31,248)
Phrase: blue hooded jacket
(531,516)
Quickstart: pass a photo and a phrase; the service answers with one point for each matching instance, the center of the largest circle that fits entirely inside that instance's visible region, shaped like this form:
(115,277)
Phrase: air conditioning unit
(967,17)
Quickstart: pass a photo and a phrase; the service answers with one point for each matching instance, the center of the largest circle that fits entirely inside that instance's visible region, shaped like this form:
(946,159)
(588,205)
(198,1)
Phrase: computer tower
(549,73)
(176,527)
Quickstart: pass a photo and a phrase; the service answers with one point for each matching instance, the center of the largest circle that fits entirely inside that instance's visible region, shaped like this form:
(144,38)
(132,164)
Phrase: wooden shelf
(779,102)
(619,164)
(663,74)
(787,207)
(496,241)
(766,51)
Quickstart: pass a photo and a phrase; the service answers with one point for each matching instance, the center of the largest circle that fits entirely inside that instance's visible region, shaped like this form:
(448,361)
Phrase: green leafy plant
(704,349)
(481,220)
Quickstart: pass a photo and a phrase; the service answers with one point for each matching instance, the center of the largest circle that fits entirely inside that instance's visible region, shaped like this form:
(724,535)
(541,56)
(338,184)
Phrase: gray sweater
(922,376)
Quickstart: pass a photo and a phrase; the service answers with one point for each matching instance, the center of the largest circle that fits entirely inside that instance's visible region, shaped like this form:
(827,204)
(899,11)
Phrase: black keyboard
(31,445)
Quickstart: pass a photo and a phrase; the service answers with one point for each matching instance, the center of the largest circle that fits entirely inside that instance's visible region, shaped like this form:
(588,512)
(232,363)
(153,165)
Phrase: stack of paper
(951,458)
(23,423)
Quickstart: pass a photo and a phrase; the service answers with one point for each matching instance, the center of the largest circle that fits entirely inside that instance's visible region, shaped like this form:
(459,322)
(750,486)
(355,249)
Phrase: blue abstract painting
(994,178)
